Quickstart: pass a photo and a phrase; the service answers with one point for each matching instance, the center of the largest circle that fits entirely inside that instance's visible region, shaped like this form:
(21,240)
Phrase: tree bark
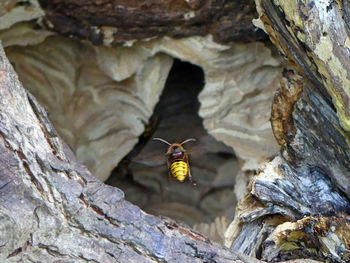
(116,22)
(298,205)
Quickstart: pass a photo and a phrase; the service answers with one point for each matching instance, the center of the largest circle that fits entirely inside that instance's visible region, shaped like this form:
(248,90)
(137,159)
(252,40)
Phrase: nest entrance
(143,176)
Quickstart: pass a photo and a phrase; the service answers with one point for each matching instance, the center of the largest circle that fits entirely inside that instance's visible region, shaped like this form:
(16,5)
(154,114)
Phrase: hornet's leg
(194,183)
(169,172)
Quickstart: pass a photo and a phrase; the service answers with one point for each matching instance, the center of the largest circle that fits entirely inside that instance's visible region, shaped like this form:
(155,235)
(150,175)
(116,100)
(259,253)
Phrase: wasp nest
(100,99)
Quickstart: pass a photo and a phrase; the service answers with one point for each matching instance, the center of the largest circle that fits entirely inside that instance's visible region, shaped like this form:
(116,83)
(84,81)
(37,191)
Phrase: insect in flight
(177,160)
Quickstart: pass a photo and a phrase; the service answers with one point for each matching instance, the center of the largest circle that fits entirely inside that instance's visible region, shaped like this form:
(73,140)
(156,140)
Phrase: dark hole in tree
(144,177)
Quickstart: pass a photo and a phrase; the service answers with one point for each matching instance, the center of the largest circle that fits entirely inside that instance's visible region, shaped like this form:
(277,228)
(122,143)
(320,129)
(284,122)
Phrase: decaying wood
(298,36)
(116,22)
(315,36)
(53,209)
(298,205)
(291,213)
(282,107)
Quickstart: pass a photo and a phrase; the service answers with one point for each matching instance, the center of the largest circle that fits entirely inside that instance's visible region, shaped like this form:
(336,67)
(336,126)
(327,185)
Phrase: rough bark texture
(298,205)
(116,22)
(323,138)
(314,34)
(52,209)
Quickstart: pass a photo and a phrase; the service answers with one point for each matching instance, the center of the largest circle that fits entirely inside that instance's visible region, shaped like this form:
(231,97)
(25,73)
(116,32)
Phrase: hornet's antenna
(162,140)
(188,140)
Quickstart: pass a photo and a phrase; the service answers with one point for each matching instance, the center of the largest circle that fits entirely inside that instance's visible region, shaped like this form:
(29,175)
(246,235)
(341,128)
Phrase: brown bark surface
(115,22)
(298,204)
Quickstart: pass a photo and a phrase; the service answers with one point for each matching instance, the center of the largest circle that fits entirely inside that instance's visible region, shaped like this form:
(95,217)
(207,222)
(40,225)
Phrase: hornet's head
(176,152)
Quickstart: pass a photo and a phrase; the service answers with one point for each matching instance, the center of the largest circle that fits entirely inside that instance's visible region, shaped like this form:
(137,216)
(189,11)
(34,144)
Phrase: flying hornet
(177,160)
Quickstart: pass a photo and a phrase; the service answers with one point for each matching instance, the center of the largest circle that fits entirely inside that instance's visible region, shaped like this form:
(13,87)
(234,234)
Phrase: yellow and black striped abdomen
(179,170)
